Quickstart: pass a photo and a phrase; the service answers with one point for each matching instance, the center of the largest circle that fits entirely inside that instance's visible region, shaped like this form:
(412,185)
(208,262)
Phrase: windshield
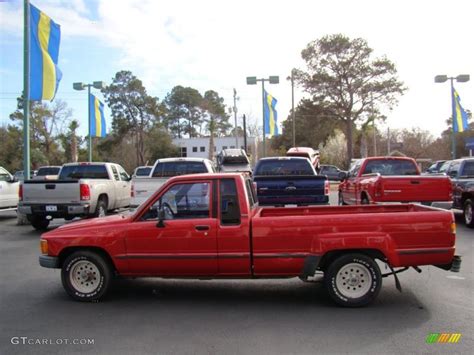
(284,167)
(48,171)
(391,167)
(74,172)
(444,167)
(143,171)
(169,169)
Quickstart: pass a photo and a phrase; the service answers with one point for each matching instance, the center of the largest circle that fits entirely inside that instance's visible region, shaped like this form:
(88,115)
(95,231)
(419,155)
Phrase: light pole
(81,86)
(462,78)
(252,80)
(292,78)
(235,120)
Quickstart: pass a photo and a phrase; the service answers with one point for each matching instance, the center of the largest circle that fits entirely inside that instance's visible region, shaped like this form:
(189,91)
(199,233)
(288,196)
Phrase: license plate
(51,208)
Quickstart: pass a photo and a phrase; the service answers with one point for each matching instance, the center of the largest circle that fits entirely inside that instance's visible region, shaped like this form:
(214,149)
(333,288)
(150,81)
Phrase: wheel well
(364,194)
(466,196)
(330,256)
(105,198)
(68,251)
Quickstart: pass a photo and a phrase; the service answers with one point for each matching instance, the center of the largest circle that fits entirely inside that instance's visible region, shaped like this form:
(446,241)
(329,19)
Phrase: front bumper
(51,262)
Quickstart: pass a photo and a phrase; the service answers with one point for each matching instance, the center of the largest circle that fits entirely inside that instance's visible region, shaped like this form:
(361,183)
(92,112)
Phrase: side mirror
(161,218)
(13,179)
(453,174)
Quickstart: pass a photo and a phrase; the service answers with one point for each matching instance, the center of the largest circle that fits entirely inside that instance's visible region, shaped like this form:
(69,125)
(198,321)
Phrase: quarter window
(115,173)
(230,211)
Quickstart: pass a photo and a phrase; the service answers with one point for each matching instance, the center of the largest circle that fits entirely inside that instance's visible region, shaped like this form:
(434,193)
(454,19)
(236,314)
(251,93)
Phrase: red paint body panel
(393,188)
(268,242)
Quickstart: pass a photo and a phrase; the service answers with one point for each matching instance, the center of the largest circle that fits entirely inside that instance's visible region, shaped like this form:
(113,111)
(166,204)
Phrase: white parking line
(455,277)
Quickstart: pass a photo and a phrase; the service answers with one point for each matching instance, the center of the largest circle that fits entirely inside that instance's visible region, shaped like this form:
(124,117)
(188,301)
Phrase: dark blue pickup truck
(289,181)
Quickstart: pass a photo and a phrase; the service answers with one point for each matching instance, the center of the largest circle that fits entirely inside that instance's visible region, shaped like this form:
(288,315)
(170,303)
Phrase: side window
(229,202)
(123,174)
(115,173)
(182,201)
(355,169)
(453,169)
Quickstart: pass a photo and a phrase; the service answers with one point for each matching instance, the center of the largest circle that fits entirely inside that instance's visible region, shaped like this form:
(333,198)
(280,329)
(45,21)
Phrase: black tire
(82,268)
(364,200)
(101,208)
(39,223)
(340,199)
(363,275)
(468,213)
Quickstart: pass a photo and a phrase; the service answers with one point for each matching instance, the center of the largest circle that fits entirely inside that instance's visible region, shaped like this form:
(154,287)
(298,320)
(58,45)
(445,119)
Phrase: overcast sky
(217,44)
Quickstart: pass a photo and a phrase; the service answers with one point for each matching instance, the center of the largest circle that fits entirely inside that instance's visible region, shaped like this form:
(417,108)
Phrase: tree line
(346,89)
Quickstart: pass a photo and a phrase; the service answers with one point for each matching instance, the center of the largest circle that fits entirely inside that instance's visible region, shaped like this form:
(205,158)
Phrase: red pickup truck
(210,226)
(393,179)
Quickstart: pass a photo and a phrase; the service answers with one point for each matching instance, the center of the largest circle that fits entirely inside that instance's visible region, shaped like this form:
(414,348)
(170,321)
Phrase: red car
(210,226)
(393,179)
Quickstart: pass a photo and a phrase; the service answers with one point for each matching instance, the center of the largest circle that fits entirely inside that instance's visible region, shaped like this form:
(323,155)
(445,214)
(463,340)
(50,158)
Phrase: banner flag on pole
(271,117)
(97,117)
(459,115)
(45,75)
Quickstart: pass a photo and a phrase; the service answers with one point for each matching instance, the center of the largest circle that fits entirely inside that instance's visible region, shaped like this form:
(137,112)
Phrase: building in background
(199,147)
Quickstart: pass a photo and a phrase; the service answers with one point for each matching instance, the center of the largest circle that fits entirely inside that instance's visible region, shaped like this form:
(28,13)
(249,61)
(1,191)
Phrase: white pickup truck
(142,188)
(8,191)
(82,189)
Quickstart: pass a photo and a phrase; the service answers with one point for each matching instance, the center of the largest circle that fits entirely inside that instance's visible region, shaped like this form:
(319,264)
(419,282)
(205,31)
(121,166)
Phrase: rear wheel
(86,276)
(39,223)
(468,218)
(353,280)
(101,208)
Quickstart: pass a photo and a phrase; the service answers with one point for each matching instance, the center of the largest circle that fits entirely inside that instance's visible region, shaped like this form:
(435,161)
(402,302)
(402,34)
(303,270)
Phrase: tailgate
(291,189)
(415,189)
(51,192)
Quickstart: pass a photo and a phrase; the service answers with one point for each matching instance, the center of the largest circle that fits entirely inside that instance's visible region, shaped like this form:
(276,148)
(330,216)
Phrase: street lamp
(252,80)
(462,78)
(81,86)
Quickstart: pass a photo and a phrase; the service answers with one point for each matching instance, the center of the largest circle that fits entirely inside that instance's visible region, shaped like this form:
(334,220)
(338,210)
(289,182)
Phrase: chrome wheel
(353,280)
(468,213)
(84,276)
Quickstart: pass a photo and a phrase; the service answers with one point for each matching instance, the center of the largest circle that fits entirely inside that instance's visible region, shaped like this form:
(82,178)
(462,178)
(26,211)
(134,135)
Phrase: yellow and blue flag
(97,117)
(270,115)
(459,115)
(45,75)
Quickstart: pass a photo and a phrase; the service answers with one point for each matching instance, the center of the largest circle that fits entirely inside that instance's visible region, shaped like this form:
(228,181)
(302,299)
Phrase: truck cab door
(184,242)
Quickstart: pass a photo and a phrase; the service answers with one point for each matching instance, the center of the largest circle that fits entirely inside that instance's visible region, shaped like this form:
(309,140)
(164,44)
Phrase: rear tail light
(85,192)
(20,192)
(326,187)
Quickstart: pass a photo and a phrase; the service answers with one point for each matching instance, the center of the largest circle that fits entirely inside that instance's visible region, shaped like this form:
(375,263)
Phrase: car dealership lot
(254,316)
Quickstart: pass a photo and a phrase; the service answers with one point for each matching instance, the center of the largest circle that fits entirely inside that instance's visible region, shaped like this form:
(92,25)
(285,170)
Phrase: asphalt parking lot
(238,317)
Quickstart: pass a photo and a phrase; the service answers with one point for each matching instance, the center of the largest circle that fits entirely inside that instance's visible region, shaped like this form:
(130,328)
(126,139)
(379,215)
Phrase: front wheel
(353,280)
(467,212)
(86,276)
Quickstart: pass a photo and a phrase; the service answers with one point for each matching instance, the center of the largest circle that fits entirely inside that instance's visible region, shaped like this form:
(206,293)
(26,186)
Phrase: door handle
(202,228)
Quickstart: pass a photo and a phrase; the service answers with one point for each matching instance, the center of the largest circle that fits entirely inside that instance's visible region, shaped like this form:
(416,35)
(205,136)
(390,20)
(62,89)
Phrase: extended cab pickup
(289,181)
(461,172)
(144,187)
(392,179)
(82,189)
(8,190)
(210,226)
